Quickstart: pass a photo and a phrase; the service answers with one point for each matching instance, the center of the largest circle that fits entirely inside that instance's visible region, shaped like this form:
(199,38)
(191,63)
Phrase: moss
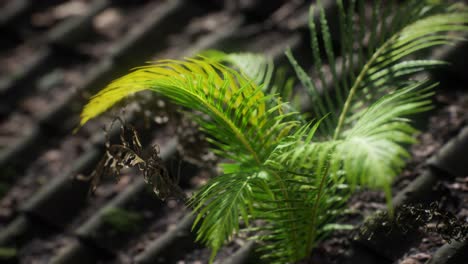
(7,253)
(123,221)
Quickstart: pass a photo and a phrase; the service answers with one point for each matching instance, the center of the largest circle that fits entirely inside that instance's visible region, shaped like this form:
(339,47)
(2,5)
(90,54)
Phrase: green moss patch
(123,221)
(7,253)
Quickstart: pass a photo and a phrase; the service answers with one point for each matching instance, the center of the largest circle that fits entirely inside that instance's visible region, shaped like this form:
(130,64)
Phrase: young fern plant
(287,179)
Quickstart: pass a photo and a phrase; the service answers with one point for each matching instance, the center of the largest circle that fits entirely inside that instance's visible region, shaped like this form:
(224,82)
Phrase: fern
(285,178)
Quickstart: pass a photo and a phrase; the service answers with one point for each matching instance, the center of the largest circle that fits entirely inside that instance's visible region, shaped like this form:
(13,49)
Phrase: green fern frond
(426,26)
(221,205)
(372,151)
(320,175)
(239,120)
(256,67)
(410,28)
(261,70)
(382,124)
(383,69)
(297,216)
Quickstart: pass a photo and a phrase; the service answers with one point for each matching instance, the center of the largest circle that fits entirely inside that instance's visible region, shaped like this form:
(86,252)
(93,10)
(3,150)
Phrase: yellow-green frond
(235,104)
(173,74)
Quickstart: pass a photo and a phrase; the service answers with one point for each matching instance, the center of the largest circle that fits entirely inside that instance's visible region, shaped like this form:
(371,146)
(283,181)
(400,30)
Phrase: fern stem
(355,86)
